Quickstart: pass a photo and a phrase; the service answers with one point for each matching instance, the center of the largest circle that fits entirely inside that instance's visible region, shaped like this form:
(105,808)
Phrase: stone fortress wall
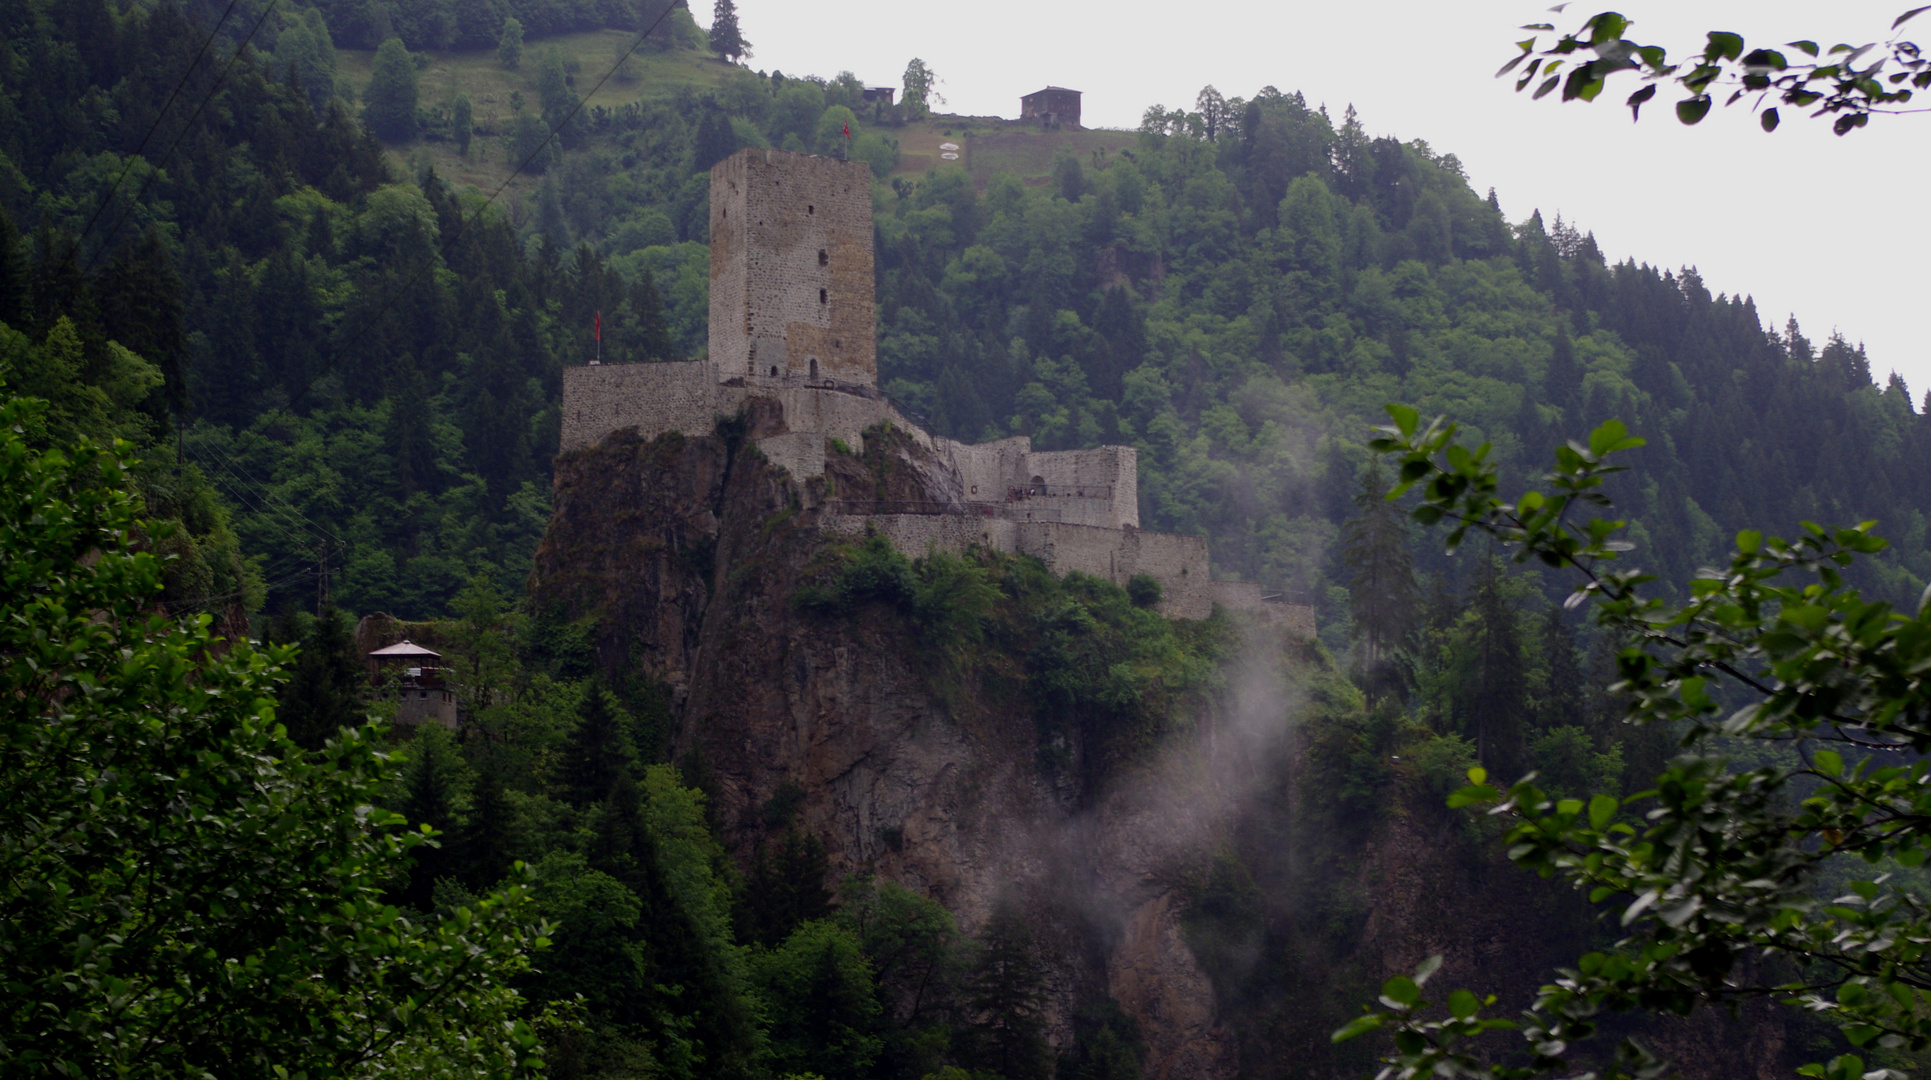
(792,321)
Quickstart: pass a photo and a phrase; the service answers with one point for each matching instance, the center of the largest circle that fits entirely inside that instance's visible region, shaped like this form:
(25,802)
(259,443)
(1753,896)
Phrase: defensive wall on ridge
(791,321)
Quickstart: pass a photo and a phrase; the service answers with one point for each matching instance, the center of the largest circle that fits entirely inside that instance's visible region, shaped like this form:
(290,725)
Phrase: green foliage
(325,684)
(1718,859)
(726,40)
(509,44)
(389,103)
(1223,923)
(119,959)
(1005,997)
(822,1002)
(920,92)
(1830,79)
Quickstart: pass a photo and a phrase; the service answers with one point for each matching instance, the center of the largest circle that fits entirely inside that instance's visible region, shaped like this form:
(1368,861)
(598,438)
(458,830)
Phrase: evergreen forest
(338,373)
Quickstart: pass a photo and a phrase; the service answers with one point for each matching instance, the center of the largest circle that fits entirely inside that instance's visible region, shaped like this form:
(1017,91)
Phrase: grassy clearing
(489,86)
(988,145)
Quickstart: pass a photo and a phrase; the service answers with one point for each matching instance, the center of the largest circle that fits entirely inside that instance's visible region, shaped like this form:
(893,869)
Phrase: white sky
(1806,222)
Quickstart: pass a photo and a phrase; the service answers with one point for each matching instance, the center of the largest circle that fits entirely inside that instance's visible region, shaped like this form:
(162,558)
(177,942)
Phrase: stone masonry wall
(654,398)
(792,290)
(1107,472)
(987,469)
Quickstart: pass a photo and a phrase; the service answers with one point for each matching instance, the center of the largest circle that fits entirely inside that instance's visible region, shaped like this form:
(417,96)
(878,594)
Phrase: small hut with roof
(416,673)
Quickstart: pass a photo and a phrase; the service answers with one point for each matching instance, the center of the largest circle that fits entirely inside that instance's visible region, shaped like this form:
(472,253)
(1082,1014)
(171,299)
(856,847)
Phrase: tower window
(821,296)
(774,371)
(810,209)
(824,259)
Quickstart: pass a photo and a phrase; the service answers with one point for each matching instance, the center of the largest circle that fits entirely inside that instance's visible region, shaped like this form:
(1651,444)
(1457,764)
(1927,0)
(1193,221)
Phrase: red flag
(848,132)
(599,325)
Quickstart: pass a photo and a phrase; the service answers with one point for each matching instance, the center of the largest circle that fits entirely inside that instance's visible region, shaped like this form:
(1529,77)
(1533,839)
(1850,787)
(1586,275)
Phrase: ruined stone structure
(791,323)
(1055,106)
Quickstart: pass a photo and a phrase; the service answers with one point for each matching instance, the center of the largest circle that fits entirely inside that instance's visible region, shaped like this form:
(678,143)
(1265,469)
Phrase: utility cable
(158,117)
(240,48)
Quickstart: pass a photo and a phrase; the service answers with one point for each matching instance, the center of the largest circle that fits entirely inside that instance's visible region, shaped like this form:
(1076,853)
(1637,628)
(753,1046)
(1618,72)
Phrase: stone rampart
(653,398)
(986,470)
(915,534)
(1106,472)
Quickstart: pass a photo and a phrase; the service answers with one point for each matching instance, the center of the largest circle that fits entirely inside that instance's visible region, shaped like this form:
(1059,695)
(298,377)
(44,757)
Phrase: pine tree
(652,327)
(727,41)
(1382,594)
(389,104)
(1495,700)
(786,887)
(13,274)
(1563,696)
(462,117)
(509,45)
(598,753)
(493,838)
(140,302)
(432,781)
(715,140)
(1564,377)
(1005,998)
(323,693)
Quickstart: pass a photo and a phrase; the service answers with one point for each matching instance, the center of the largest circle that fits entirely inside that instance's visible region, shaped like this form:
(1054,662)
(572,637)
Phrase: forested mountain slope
(342,374)
(1233,306)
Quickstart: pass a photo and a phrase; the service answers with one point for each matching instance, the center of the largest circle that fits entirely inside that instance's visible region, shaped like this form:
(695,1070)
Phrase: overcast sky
(1806,222)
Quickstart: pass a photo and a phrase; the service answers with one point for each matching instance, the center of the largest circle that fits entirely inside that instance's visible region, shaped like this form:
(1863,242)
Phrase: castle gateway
(792,317)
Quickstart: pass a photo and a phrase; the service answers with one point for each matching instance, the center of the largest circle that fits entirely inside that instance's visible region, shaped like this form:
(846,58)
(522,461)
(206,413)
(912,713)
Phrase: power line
(240,48)
(156,126)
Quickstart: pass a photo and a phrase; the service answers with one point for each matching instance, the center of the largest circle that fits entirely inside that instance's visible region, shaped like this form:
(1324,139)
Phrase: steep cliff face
(690,550)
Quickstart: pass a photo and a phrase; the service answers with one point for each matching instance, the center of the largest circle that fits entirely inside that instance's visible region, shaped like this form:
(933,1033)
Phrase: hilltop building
(1054,106)
(792,321)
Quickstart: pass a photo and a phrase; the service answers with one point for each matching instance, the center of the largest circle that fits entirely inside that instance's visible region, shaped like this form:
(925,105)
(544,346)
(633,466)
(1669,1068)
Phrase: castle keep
(792,321)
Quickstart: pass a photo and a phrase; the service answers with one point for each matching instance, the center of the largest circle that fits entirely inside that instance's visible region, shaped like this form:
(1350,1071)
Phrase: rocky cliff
(690,550)
(690,553)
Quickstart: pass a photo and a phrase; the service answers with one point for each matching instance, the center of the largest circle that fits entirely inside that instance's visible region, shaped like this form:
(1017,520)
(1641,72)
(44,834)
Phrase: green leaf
(1405,419)
(1749,541)
(1769,119)
(1693,110)
(1468,796)
(1602,811)
(1477,775)
(1401,990)
(1463,1004)
(1724,44)
(1357,1027)
(1911,14)
(1829,762)
(1605,438)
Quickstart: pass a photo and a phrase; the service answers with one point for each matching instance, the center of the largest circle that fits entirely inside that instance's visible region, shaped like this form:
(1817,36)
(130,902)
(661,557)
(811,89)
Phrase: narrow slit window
(824,258)
(809,209)
(822,297)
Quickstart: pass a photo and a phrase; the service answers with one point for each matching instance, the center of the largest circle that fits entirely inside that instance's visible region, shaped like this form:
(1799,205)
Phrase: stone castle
(792,321)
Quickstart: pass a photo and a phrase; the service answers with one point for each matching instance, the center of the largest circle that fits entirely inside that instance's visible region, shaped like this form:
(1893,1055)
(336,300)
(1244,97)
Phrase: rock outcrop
(690,548)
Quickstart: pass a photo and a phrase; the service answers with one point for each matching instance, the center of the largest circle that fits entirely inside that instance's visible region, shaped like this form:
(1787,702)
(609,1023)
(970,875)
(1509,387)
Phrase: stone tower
(791,268)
